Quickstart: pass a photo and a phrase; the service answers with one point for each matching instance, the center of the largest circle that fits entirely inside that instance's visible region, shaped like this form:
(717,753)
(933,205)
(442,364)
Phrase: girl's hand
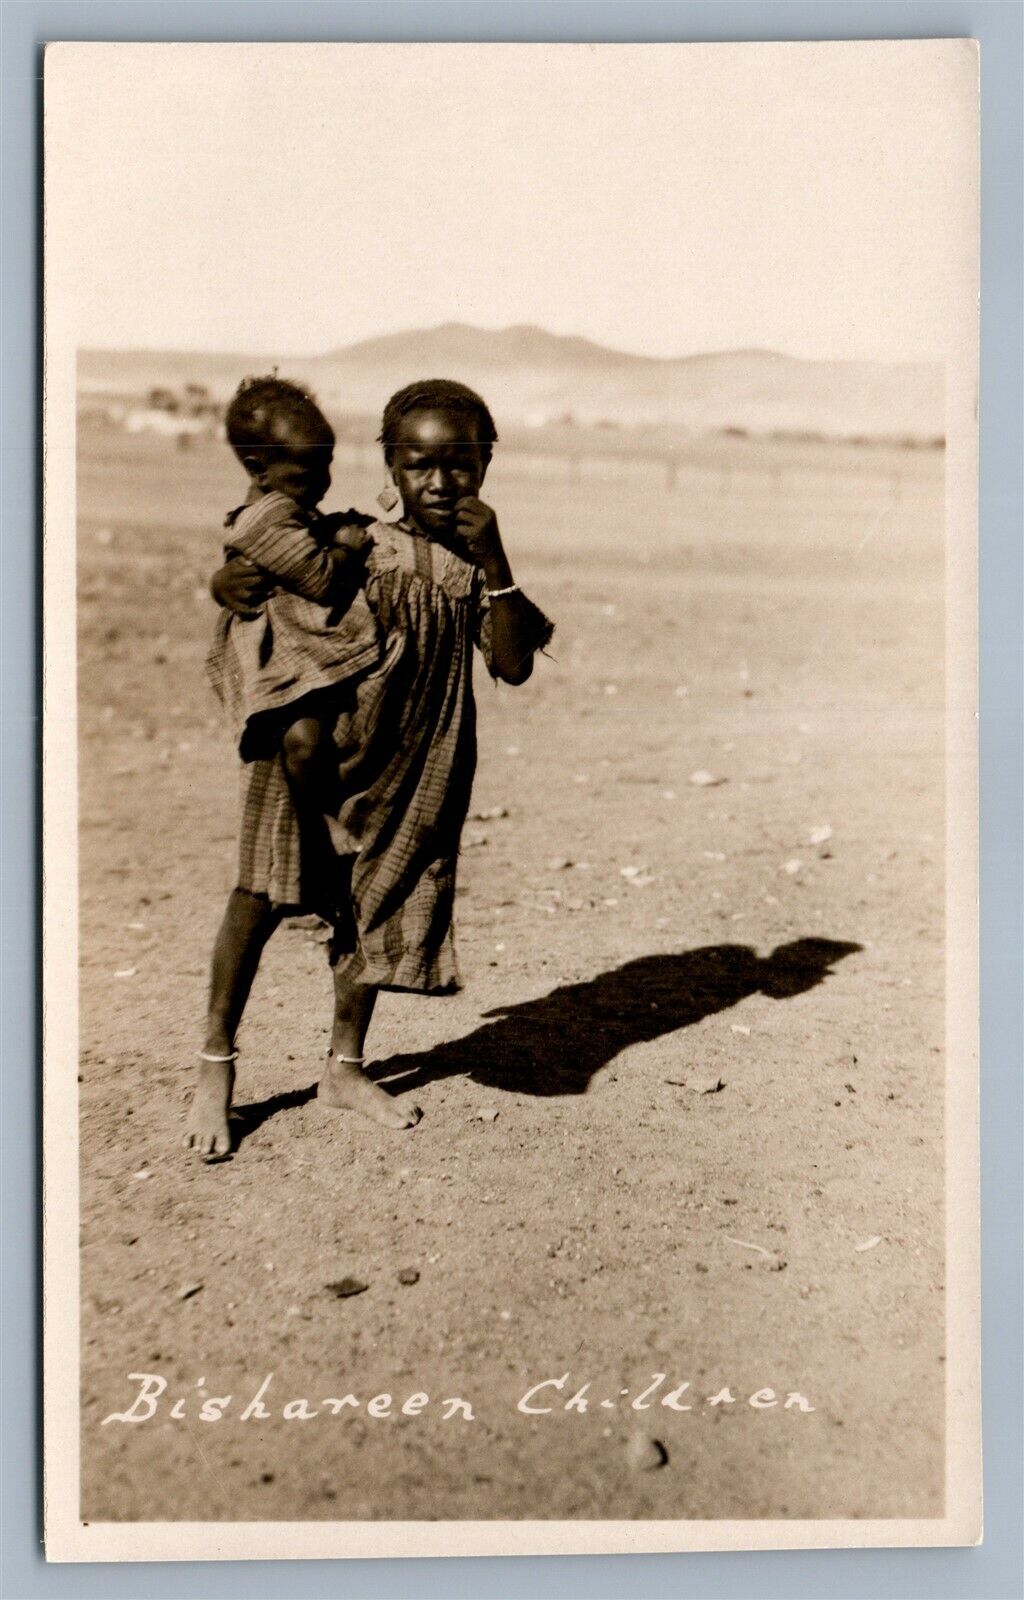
(477,527)
(241,587)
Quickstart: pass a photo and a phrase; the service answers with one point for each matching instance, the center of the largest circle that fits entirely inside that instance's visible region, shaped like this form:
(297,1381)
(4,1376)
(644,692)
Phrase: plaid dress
(260,667)
(405,741)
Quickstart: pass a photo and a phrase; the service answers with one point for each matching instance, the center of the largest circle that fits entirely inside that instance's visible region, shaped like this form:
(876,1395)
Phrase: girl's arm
(240,587)
(518,627)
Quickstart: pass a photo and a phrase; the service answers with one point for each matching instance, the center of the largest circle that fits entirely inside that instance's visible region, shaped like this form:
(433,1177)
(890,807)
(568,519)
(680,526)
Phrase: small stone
(408,1276)
(487,1114)
(710,1084)
(792,866)
(559,864)
(188,1290)
(702,779)
(344,1288)
(645,1454)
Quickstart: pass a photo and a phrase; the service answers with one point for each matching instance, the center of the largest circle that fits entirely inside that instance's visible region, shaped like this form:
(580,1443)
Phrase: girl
(438,583)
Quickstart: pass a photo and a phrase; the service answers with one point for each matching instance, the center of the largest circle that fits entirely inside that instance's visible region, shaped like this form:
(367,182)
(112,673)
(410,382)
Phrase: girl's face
(434,466)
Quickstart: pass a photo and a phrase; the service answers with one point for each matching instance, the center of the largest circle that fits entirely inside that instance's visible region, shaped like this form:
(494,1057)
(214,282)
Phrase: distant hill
(533,377)
(456,344)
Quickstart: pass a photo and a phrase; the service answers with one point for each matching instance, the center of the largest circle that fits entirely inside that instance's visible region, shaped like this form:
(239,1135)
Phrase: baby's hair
(258,402)
(437,394)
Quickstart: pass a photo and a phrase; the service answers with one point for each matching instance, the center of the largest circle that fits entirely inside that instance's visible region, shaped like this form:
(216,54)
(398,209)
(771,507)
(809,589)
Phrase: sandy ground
(579,1201)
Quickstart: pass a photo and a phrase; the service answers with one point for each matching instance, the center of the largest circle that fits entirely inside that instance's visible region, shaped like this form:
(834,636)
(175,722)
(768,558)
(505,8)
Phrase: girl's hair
(437,394)
(258,402)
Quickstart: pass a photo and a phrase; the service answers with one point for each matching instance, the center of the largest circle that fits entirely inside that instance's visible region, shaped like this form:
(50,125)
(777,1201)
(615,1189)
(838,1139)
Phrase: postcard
(511,1012)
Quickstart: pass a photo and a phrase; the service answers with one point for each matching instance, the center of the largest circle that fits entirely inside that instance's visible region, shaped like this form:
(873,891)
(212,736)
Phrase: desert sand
(685,1117)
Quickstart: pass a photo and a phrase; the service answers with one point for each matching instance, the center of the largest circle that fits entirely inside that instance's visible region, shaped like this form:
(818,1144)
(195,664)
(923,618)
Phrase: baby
(274,668)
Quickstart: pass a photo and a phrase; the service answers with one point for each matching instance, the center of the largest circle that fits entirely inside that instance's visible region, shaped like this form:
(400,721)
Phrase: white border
(67,1538)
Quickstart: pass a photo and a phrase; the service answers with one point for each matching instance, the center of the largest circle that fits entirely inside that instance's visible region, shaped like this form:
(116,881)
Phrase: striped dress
(260,667)
(405,741)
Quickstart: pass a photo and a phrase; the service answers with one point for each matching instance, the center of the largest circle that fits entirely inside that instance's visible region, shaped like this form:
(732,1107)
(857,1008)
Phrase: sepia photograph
(510,1012)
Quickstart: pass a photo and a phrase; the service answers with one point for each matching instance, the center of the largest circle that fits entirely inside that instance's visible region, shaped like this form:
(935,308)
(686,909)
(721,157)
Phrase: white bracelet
(496,594)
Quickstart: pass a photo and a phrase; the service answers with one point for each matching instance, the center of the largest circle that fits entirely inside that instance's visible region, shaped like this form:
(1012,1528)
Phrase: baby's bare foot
(345,1087)
(208,1132)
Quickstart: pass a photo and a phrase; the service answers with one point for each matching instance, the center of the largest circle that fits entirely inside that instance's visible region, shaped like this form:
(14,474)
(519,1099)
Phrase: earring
(388,497)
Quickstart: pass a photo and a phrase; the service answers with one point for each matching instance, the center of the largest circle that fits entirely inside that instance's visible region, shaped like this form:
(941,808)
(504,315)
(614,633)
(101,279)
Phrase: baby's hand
(352,536)
(477,527)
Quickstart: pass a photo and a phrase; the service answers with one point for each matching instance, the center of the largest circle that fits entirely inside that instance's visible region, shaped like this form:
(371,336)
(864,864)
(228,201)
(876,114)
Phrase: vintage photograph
(509,701)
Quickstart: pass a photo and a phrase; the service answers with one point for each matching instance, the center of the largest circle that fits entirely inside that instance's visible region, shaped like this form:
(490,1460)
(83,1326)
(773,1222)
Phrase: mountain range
(532,377)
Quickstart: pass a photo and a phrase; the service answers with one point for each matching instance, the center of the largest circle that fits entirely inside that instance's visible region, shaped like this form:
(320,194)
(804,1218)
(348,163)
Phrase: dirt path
(574,1202)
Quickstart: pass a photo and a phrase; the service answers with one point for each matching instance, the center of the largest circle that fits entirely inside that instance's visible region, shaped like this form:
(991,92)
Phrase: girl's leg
(248,922)
(344,1086)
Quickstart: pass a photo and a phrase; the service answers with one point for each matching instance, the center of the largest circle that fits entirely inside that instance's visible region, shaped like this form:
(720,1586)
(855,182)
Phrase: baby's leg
(248,922)
(344,1086)
(303,755)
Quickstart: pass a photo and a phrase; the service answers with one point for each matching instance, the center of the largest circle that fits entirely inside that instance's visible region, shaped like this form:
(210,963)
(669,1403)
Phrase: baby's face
(435,466)
(302,467)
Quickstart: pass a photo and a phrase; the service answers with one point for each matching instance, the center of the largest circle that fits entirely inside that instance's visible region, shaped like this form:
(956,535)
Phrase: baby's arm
(281,545)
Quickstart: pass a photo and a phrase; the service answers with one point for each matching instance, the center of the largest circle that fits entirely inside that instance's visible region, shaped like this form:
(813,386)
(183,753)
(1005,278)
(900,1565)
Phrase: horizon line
(337,352)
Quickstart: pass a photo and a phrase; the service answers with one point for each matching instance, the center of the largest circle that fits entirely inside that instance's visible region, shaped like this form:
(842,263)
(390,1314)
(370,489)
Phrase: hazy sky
(286,199)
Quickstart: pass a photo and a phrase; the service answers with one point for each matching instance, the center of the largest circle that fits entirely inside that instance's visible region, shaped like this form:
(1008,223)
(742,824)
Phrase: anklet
(354,1061)
(203,1056)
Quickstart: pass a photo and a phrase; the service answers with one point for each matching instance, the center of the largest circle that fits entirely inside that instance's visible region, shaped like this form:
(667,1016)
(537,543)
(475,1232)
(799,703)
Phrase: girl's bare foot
(345,1087)
(208,1132)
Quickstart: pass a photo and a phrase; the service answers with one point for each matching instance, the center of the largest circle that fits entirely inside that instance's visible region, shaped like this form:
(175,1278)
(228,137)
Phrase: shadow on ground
(555,1044)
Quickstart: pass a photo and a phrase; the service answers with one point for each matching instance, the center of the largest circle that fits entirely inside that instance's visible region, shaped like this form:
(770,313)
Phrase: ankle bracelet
(354,1061)
(205,1056)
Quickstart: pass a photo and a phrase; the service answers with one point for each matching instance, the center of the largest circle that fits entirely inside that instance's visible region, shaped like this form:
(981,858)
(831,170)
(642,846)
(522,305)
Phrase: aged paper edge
(69,1539)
